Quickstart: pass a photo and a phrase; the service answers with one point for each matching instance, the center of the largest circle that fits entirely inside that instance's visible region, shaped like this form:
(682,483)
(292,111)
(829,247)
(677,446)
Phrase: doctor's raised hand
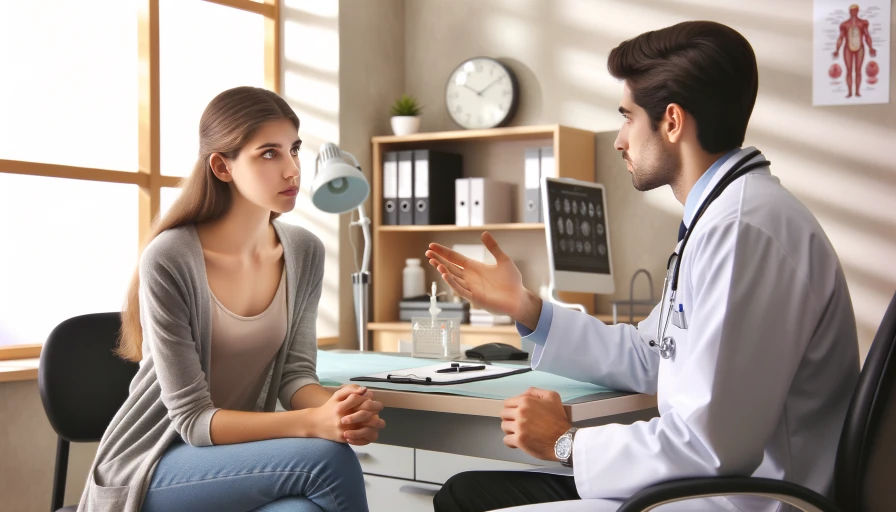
(496,288)
(534,420)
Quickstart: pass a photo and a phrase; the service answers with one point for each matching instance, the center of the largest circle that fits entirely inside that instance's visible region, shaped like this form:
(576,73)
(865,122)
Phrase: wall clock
(481,93)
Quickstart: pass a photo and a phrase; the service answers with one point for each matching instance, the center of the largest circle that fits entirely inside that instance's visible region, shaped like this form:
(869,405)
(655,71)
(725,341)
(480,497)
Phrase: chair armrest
(690,488)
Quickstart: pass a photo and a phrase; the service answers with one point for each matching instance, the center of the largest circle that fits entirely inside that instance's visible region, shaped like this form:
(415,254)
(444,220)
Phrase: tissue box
(411,308)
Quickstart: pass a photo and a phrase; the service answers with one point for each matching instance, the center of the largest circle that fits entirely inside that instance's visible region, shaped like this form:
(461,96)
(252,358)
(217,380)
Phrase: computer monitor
(578,237)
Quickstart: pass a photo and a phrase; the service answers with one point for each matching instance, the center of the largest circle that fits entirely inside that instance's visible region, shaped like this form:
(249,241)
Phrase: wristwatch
(563,447)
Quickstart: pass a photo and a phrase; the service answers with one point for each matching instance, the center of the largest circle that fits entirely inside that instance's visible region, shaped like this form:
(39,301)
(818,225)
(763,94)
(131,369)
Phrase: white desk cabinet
(406,479)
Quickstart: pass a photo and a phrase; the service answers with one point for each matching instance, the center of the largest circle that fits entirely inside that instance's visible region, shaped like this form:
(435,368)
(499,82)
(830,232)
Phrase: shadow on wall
(311,86)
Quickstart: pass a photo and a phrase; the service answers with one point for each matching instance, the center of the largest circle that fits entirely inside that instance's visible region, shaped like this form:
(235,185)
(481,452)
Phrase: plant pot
(405,125)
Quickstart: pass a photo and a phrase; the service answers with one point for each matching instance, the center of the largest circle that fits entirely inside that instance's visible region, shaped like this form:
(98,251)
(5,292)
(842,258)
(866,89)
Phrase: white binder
(390,188)
(548,169)
(406,188)
(532,194)
(462,202)
(491,202)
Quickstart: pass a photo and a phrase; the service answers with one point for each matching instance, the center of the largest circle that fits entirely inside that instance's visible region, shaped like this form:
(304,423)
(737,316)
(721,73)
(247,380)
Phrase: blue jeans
(296,475)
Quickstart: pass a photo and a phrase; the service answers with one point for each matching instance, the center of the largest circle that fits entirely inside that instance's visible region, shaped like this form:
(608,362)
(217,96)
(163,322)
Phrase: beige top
(243,350)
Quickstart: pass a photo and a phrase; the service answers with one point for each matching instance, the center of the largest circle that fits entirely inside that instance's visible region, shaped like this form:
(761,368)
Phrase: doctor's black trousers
(476,491)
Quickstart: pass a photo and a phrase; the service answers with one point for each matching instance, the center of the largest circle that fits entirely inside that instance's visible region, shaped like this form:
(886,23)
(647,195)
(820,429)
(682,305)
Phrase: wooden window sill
(18,370)
(25,368)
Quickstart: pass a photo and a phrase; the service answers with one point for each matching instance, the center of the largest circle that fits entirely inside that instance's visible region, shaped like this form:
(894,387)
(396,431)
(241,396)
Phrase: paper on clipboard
(428,375)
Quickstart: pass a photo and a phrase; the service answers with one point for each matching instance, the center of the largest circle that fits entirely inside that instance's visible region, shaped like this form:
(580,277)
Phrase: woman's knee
(322,452)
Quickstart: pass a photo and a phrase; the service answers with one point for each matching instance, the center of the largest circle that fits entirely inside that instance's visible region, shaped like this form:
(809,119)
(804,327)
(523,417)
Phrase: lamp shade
(338,187)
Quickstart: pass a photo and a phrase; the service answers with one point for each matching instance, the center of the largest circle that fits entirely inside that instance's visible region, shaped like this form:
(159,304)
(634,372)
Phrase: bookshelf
(494,153)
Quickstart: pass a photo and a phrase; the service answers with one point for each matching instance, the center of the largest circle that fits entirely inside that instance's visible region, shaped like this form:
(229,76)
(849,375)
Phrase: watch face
(481,93)
(563,448)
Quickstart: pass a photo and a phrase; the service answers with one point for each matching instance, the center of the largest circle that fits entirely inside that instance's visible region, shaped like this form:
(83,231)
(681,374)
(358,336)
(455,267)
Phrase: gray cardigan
(169,396)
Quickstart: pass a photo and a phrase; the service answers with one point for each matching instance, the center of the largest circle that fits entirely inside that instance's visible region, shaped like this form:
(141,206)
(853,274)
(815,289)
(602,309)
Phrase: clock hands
(479,93)
(489,85)
(474,90)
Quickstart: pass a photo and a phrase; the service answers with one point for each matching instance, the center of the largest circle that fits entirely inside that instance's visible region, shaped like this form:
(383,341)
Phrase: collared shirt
(693,201)
(540,335)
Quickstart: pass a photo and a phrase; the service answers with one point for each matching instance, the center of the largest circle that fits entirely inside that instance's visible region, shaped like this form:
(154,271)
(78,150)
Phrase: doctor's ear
(672,123)
(220,167)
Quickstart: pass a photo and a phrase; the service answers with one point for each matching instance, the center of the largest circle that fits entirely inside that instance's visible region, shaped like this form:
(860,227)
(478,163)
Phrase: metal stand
(361,283)
(361,291)
(631,302)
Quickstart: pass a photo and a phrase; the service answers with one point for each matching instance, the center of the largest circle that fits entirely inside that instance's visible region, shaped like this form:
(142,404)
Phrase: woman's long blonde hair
(228,122)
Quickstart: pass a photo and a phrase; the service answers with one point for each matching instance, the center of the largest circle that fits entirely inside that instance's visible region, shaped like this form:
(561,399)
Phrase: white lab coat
(760,381)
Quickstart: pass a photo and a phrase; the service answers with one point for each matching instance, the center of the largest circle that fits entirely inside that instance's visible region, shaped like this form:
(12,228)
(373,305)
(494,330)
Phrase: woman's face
(267,172)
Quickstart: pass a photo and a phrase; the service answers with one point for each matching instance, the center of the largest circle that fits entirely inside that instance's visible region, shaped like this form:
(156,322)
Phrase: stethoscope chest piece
(667,347)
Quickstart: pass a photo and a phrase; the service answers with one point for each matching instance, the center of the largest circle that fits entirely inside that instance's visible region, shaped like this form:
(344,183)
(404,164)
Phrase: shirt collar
(693,200)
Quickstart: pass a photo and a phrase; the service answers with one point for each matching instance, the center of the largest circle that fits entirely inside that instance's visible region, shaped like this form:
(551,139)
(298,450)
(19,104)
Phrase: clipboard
(428,375)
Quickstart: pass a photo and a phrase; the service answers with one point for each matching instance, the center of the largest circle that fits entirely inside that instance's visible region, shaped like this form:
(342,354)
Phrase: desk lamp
(339,187)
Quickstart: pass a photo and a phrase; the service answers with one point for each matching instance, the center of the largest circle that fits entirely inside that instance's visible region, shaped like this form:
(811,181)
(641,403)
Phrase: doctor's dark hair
(229,121)
(706,68)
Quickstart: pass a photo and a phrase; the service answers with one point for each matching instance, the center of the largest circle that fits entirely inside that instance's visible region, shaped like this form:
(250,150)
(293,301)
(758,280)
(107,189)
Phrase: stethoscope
(667,343)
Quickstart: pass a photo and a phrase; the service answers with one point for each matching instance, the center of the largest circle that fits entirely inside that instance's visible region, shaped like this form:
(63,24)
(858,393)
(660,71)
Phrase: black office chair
(865,457)
(82,385)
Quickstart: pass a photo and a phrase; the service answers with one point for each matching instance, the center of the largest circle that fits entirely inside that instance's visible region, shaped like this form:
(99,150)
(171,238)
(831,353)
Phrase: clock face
(481,93)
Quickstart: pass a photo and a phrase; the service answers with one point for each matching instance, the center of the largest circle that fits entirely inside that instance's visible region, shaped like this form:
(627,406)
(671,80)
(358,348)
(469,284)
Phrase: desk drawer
(393,494)
(438,467)
(386,460)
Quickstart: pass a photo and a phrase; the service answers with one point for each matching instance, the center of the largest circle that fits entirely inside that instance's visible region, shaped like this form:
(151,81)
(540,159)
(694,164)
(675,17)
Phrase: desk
(431,436)
(472,426)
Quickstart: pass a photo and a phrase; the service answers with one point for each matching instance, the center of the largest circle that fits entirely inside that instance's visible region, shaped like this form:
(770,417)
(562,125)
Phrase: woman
(221,316)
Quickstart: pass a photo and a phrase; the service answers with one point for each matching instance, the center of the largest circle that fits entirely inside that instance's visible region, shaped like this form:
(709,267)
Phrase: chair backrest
(866,455)
(82,381)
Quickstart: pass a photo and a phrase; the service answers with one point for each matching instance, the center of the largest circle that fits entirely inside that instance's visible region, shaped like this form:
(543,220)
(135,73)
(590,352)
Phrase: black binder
(434,175)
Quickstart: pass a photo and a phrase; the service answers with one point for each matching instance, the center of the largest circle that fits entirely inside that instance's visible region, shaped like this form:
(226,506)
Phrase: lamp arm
(354,160)
(364,222)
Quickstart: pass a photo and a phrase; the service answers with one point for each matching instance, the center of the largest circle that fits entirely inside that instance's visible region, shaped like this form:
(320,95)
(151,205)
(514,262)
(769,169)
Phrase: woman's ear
(220,167)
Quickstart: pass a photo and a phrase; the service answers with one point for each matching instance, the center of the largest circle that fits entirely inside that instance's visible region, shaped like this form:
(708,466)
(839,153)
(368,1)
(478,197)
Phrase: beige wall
(371,76)
(28,452)
(343,66)
(835,159)
(311,86)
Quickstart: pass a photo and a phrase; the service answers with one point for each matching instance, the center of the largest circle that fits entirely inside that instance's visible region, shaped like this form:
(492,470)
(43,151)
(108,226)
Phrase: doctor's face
(643,148)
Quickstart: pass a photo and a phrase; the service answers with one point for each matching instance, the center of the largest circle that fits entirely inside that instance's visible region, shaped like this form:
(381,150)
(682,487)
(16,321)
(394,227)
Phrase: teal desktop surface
(336,368)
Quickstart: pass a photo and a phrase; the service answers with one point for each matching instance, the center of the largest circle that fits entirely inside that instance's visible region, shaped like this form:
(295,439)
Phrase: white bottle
(412,278)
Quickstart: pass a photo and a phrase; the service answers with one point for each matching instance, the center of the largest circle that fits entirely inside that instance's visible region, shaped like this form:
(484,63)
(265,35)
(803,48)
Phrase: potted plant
(406,115)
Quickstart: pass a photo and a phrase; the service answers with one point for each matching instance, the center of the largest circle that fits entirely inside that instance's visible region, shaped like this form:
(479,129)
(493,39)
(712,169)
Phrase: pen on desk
(456,369)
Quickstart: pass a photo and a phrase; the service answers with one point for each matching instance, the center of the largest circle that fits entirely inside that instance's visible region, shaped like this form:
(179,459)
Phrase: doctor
(752,351)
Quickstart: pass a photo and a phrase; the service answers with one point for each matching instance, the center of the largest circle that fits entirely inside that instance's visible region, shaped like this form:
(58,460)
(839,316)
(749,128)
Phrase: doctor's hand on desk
(534,421)
(496,288)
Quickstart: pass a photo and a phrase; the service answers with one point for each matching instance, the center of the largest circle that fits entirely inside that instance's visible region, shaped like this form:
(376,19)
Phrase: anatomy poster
(851,52)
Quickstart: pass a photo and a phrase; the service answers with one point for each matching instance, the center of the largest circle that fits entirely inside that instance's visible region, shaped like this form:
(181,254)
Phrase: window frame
(148,177)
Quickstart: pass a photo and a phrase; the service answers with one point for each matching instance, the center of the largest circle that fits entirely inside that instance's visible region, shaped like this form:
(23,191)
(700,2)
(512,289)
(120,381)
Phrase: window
(71,214)
(198,60)
(69,96)
(70,247)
